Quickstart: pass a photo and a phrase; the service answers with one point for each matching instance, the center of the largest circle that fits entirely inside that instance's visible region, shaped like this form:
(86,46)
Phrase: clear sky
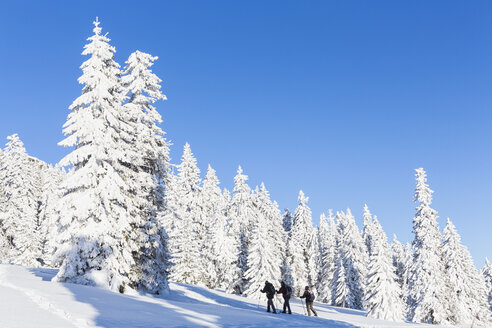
(342,99)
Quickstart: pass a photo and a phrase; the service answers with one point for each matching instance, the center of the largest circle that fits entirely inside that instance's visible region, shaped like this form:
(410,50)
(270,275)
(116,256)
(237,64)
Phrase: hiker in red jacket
(309,296)
(286,292)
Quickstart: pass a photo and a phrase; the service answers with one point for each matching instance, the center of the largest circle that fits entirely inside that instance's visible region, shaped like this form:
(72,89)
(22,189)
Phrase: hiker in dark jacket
(309,296)
(270,293)
(286,292)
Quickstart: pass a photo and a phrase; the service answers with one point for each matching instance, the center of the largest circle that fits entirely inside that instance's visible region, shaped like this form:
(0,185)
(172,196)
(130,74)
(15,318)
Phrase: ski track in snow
(45,304)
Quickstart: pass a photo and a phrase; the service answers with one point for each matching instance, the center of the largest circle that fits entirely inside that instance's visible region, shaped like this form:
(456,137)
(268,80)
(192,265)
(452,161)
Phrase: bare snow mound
(28,299)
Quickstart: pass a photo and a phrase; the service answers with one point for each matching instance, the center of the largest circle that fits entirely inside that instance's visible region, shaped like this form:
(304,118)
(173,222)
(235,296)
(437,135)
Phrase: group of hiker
(287,292)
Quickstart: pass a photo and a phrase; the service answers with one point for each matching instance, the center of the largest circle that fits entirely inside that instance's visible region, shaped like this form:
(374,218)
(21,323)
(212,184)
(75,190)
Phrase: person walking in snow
(309,296)
(286,292)
(270,293)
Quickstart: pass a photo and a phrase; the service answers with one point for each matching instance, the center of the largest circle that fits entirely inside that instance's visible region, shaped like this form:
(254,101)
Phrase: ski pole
(303,307)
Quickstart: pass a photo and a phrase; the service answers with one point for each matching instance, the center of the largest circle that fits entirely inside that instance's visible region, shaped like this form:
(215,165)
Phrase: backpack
(270,289)
(288,290)
(310,297)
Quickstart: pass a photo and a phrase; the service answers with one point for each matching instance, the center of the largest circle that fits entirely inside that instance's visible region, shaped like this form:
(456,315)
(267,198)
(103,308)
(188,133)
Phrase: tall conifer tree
(327,244)
(352,255)
(96,210)
(487,275)
(382,296)
(21,194)
(468,292)
(182,218)
(299,242)
(242,216)
(428,298)
(147,164)
(264,254)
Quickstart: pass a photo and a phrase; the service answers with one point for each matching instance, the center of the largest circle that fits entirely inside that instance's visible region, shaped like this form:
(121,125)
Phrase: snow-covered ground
(28,298)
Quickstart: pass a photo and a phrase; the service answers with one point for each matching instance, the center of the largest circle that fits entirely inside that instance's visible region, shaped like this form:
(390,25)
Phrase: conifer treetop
(14,143)
(423,194)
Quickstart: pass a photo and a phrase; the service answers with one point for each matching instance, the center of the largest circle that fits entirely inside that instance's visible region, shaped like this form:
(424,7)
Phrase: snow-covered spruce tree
(382,294)
(96,211)
(264,254)
(320,230)
(314,260)
(22,194)
(181,222)
(327,244)
(147,164)
(279,237)
(242,216)
(341,295)
(287,220)
(352,254)
(467,285)
(3,209)
(212,206)
(487,275)
(142,88)
(428,294)
(367,229)
(402,260)
(301,234)
(52,179)
(218,247)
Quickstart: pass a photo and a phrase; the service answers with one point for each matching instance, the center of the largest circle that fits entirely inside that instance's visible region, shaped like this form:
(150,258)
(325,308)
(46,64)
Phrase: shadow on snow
(187,306)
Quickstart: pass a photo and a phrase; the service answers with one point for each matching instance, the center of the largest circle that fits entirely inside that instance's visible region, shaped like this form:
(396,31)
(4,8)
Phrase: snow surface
(28,298)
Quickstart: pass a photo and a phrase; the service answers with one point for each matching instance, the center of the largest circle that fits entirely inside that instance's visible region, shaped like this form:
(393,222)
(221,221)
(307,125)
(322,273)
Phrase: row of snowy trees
(433,280)
(125,218)
(28,189)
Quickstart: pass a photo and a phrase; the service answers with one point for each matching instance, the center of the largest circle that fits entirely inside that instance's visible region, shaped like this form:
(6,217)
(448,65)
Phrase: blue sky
(342,99)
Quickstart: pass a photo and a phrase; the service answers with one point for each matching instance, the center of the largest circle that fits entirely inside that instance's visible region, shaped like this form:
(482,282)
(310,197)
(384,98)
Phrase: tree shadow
(184,306)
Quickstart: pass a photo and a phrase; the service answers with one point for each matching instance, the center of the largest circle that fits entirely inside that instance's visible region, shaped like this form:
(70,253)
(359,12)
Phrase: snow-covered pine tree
(226,247)
(52,179)
(242,216)
(341,295)
(314,260)
(402,260)
(217,249)
(321,231)
(467,285)
(22,195)
(382,294)
(3,209)
(486,272)
(428,294)
(211,201)
(95,217)
(327,243)
(352,254)
(265,251)
(182,214)
(282,240)
(142,88)
(301,234)
(147,164)
(287,220)
(367,229)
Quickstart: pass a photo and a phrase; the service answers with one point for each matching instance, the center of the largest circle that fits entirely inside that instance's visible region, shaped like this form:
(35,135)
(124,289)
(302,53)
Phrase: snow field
(30,299)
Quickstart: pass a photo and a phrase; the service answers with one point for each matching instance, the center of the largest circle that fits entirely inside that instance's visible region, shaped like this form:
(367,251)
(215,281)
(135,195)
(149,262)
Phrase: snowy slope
(29,299)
